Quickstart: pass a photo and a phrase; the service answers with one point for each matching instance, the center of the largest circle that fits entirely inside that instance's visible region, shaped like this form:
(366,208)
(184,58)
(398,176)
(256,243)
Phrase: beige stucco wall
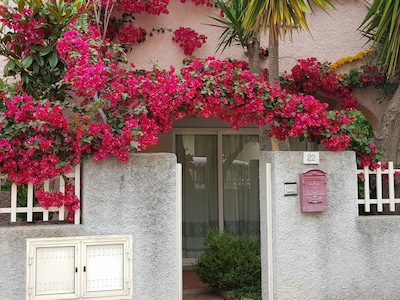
(333,36)
(2,63)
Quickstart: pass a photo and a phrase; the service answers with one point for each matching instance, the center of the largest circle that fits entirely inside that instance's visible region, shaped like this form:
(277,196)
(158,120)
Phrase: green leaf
(27,61)
(9,68)
(45,50)
(36,67)
(53,59)
(61,165)
(25,77)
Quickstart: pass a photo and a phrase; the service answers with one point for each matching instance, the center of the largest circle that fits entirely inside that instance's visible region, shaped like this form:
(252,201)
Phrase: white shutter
(104,267)
(55,270)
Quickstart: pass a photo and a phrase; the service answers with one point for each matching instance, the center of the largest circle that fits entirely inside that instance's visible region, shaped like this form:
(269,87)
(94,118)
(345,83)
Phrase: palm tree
(245,21)
(279,17)
(381,26)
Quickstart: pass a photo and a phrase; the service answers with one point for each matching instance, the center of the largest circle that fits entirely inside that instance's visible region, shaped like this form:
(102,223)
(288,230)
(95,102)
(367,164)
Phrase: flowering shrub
(35,141)
(365,76)
(68,199)
(310,76)
(361,133)
(188,39)
(208,88)
(27,40)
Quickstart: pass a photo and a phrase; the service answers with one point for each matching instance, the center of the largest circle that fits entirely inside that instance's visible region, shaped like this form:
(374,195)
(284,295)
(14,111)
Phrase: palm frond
(381,26)
(232,23)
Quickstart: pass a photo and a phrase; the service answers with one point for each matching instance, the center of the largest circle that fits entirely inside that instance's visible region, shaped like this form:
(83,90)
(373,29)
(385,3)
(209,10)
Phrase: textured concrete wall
(328,255)
(136,198)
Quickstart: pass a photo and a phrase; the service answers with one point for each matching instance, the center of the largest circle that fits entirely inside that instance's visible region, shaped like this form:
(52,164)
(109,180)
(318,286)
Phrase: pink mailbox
(313,191)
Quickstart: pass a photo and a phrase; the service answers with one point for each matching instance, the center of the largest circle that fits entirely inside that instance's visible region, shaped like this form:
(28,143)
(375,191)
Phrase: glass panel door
(220,185)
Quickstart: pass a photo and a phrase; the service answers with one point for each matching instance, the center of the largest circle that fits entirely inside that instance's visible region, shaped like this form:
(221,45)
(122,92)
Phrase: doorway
(220,184)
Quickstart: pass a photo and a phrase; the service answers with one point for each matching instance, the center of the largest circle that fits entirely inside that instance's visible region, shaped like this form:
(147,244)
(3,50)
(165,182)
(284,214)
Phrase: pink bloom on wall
(188,39)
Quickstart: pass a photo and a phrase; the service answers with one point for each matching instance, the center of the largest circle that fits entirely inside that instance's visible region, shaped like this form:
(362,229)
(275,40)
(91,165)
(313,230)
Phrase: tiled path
(210,296)
(193,289)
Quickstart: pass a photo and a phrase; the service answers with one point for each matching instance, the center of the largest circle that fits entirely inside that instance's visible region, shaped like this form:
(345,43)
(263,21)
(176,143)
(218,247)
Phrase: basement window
(79,267)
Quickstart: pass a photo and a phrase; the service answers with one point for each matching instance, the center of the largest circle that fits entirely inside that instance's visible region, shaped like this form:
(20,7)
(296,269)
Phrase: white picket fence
(33,207)
(379,188)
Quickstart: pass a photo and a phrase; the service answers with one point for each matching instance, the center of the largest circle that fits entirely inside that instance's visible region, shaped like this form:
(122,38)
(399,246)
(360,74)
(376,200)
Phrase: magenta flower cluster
(310,76)
(35,139)
(188,39)
(23,22)
(68,199)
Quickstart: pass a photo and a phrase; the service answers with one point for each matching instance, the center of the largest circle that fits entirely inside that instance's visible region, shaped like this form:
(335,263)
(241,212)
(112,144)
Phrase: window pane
(241,185)
(198,156)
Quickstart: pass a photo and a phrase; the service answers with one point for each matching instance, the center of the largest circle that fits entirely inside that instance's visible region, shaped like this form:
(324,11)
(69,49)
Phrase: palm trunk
(388,133)
(273,63)
(273,72)
(253,47)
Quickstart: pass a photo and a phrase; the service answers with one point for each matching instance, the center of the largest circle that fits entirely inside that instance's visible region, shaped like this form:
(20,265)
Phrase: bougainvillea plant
(118,109)
(188,39)
(123,29)
(310,76)
(68,199)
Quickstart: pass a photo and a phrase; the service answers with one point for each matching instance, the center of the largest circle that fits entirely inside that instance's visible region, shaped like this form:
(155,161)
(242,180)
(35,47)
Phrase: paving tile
(210,296)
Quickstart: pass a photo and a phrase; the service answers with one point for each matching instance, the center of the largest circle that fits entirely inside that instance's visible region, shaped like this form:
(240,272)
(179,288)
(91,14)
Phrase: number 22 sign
(311,158)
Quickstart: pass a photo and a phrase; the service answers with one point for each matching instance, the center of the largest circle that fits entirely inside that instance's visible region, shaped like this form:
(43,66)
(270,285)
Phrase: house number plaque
(311,158)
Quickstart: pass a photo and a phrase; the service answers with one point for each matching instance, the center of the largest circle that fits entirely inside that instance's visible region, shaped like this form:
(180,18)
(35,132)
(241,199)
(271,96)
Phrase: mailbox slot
(313,191)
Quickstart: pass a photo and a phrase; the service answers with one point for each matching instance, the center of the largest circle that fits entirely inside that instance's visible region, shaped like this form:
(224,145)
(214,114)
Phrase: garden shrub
(248,292)
(229,261)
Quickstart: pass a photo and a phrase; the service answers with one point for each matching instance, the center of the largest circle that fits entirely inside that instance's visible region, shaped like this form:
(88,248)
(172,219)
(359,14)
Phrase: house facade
(220,165)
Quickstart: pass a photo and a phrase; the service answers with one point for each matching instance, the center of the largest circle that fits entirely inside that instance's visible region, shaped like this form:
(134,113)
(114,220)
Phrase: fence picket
(62,190)
(30,207)
(46,187)
(379,189)
(366,188)
(77,183)
(14,194)
(391,178)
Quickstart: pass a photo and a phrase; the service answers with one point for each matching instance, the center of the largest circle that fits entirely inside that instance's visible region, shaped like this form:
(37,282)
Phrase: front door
(220,184)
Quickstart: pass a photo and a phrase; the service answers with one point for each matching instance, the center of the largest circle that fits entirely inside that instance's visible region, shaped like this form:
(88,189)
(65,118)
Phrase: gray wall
(328,255)
(136,198)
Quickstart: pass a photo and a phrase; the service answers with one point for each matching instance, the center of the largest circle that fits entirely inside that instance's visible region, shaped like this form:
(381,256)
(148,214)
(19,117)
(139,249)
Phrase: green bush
(229,261)
(248,291)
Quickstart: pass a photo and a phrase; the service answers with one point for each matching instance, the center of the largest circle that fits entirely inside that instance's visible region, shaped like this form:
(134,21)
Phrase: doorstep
(192,284)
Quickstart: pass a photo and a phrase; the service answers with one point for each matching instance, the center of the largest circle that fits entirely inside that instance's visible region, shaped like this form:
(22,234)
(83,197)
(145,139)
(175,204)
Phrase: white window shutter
(55,270)
(104,267)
